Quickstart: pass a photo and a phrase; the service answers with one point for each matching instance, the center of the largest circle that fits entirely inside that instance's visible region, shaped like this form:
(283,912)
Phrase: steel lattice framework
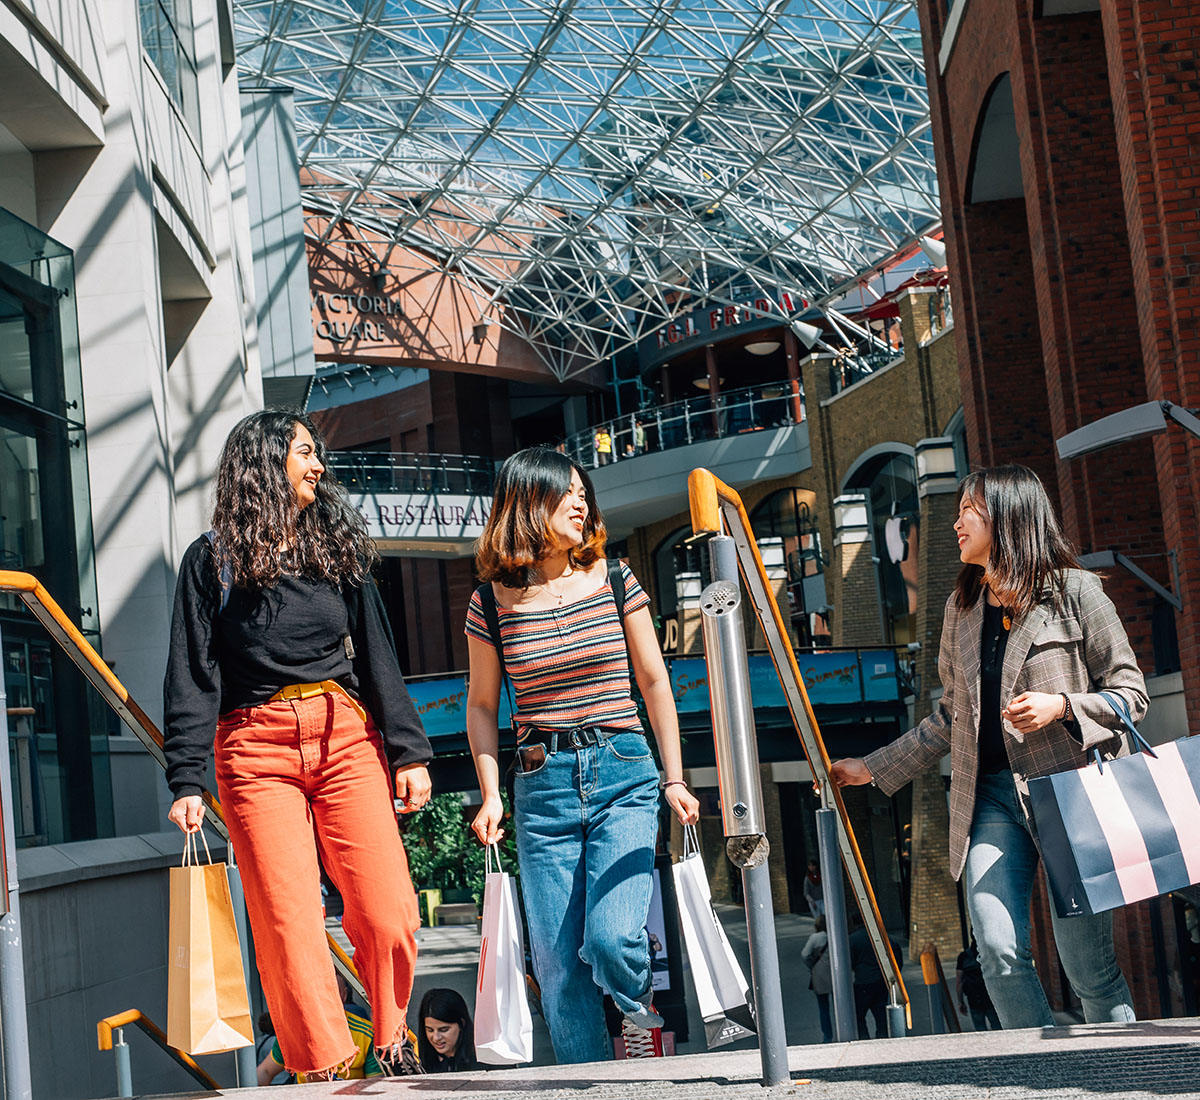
(588,169)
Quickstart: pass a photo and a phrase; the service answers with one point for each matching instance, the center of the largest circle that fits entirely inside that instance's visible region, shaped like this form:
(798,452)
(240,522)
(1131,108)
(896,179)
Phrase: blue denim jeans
(586,824)
(1001,863)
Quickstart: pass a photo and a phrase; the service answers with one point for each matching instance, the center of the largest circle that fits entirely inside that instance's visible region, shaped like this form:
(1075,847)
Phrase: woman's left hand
(685,804)
(1034,710)
(413,786)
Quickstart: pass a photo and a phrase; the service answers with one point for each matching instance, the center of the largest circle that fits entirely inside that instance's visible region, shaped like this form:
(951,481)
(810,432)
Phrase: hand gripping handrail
(116,695)
(104,1036)
(714,503)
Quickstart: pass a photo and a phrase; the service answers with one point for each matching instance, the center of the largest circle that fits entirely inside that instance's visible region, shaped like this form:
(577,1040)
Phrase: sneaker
(640,1042)
(400,1059)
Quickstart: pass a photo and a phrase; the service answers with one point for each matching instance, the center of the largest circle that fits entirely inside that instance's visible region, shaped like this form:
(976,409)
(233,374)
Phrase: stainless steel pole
(247,1067)
(741,794)
(124,1069)
(14,1023)
(845,1026)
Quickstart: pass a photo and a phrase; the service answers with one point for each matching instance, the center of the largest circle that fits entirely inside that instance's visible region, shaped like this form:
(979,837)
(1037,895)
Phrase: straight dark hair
(449,1007)
(256,510)
(1030,554)
(529,488)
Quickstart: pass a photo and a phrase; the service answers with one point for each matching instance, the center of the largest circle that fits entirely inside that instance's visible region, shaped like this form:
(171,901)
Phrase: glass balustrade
(694,420)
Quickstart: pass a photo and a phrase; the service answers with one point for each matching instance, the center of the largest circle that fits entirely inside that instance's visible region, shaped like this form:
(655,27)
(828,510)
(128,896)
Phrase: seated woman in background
(445,1034)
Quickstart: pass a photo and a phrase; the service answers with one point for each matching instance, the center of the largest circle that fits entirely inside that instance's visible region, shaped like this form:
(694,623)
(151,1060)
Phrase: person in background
(971,990)
(870,990)
(587,797)
(815,955)
(639,437)
(1028,640)
(445,1034)
(361,1065)
(813,894)
(603,447)
(282,663)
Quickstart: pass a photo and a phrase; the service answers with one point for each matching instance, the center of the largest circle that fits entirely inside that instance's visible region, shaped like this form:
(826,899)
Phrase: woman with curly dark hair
(280,650)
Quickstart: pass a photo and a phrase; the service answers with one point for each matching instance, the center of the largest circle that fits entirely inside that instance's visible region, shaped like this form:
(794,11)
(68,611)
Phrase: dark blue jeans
(586,824)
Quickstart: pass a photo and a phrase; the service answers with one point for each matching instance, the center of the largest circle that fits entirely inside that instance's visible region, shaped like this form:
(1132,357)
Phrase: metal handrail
(104,1039)
(116,695)
(692,420)
(413,472)
(715,506)
(936,989)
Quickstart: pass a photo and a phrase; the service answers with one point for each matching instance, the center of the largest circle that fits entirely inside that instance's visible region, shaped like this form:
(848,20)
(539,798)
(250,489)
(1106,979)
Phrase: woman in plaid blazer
(1028,639)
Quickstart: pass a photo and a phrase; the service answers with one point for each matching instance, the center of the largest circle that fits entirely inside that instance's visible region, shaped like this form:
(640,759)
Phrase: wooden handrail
(105,1027)
(715,507)
(116,695)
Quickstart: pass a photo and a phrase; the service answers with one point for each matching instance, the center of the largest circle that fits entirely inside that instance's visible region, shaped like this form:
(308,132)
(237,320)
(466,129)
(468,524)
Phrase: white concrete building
(127,352)
(120,139)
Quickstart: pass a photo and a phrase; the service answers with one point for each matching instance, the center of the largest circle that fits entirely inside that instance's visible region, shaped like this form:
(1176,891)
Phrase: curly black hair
(256,513)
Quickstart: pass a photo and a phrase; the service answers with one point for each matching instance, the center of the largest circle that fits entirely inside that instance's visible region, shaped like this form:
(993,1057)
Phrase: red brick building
(1066,136)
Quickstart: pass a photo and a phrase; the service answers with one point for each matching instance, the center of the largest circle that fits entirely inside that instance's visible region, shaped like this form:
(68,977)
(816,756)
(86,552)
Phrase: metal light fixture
(479,330)
(850,521)
(807,334)
(380,277)
(763,347)
(1120,427)
(701,381)
(935,251)
(937,466)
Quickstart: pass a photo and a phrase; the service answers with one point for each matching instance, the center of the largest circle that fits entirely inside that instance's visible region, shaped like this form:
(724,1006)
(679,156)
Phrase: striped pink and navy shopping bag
(1119,831)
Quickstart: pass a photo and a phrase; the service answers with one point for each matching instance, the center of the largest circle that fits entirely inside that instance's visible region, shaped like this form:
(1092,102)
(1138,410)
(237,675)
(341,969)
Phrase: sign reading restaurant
(413,518)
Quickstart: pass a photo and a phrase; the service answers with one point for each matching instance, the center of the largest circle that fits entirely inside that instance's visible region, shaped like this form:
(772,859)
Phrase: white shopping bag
(721,987)
(503,1025)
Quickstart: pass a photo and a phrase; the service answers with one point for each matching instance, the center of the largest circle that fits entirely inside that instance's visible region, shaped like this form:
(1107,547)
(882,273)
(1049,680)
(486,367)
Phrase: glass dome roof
(587,169)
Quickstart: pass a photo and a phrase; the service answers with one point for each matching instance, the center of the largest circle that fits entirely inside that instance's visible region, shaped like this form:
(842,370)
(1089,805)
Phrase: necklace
(545,587)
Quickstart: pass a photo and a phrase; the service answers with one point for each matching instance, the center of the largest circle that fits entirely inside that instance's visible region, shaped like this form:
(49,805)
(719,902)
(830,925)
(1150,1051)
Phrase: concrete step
(1141,1061)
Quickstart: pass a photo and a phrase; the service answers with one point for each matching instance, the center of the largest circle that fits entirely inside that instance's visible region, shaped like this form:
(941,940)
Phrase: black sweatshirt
(293,633)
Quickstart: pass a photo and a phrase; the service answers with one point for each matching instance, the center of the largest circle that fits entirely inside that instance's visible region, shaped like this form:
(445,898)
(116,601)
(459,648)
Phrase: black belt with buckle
(576,738)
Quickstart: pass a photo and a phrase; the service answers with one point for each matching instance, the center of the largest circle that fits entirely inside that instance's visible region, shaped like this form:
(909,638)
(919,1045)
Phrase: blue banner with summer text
(831,679)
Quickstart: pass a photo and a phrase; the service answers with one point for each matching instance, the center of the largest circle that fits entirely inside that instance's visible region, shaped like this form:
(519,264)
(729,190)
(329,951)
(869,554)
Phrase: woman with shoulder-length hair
(280,649)
(1029,639)
(586,787)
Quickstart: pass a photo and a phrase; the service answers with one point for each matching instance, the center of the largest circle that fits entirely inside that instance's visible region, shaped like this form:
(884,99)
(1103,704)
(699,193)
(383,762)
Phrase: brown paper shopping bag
(207,1008)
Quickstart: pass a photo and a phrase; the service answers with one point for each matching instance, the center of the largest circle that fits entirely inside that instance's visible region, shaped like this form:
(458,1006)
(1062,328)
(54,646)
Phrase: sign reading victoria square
(355,316)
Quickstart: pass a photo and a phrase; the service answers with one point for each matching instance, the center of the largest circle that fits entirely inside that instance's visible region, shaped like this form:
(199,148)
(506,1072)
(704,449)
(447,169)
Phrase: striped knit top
(569,666)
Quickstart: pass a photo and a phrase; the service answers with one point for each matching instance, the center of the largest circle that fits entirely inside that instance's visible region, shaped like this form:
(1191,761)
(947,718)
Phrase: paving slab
(1137,1061)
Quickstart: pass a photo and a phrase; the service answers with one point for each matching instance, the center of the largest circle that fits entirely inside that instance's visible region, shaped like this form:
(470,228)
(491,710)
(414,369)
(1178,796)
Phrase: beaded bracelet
(674,783)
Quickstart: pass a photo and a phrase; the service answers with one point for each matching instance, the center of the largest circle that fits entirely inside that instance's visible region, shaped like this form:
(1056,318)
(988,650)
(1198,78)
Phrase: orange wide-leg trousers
(302,777)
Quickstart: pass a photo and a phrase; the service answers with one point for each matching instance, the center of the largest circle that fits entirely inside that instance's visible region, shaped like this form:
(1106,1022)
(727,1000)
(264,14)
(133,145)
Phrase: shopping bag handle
(490,852)
(1122,711)
(190,856)
(691,843)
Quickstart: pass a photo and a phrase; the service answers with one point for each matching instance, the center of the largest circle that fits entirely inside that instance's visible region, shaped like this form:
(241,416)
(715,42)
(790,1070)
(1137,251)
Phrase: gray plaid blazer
(1080,651)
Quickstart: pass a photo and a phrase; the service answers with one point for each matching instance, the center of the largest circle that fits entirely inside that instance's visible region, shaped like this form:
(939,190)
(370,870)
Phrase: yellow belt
(325,687)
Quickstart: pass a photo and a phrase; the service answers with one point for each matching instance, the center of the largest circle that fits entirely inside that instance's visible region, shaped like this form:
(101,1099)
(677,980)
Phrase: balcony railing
(693,420)
(846,370)
(381,472)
